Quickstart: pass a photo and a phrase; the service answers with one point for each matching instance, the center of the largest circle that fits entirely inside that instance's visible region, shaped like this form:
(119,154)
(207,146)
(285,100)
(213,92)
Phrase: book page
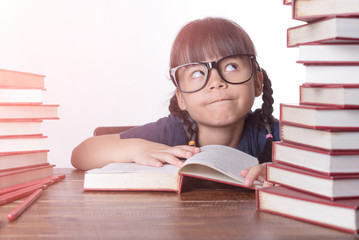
(134,167)
(226,160)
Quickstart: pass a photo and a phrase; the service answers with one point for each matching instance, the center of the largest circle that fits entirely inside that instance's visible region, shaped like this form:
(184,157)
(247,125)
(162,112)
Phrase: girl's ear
(258,84)
(180,100)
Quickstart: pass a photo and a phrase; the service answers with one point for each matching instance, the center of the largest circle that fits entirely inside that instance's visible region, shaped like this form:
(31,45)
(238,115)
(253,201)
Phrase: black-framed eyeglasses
(234,69)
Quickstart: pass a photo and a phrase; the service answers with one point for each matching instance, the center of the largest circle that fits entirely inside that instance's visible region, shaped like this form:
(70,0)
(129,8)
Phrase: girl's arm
(98,151)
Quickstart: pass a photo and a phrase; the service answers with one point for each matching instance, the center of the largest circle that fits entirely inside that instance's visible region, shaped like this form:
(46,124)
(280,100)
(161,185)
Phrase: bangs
(209,38)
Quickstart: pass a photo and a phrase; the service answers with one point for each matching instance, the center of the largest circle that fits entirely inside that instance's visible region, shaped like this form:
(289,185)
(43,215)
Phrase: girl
(213,66)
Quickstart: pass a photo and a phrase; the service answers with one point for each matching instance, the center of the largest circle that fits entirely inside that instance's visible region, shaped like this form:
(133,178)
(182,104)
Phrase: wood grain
(204,211)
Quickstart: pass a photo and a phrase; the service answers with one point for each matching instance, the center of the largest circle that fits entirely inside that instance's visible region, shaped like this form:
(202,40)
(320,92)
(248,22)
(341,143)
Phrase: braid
(189,125)
(266,118)
(267,106)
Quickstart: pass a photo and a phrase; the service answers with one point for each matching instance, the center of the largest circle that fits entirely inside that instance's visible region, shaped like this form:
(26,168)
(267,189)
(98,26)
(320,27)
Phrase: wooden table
(204,211)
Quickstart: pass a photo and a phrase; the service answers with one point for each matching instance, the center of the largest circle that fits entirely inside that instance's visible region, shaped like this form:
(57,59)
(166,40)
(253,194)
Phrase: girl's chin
(221,121)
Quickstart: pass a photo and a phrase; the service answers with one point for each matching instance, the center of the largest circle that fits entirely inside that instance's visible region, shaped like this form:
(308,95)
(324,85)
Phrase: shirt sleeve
(168,130)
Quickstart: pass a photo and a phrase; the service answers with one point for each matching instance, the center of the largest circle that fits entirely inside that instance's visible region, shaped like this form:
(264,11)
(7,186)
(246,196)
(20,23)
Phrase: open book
(214,162)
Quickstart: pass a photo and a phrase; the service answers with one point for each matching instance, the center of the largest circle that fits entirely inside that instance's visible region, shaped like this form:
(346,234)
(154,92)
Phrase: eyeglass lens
(234,69)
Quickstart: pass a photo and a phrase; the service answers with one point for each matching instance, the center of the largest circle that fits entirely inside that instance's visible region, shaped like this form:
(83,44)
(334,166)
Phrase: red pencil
(23,185)
(20,193)
(24,205)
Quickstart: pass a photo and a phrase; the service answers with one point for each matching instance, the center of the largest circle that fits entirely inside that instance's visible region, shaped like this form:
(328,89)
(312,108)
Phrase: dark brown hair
(210,38)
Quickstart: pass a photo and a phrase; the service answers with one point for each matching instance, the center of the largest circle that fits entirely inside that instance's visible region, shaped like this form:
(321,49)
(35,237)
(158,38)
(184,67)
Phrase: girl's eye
(197,74)
(231,67)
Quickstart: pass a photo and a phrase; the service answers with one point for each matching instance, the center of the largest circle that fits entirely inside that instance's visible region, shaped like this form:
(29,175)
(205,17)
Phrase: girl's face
(219,103)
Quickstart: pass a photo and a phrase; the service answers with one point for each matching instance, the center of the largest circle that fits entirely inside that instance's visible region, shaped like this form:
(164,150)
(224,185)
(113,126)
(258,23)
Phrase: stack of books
(23,147)
(316,163)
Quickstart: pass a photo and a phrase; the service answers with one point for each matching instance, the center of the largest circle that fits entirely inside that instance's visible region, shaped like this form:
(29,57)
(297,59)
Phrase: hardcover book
(309,10)
(330,187)
(23,175)
(28,111)
(214,162)
(340,214)
(24,159)
(22,143)
(20,127)
(316,160)
(16,79)
(17,95)
(327,30)
(329,54)
(337,95)
(319,117)
(331,74)
(326,139)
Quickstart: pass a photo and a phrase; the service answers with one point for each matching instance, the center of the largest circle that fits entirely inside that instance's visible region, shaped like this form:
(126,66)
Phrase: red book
(17,187)
(14,192)
(22,190)
(330,187)
(329,54)
(19,176)
(309,10)
(28,111)
(20,127)
(326,139)
(340,214)
(319,117)
(22,143)
(326,30)
(16,79)
(20,160)
(215,163)
(336,95)
(316,160)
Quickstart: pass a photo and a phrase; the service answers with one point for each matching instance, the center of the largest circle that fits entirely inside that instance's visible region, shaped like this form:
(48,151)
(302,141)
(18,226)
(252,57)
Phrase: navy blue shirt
(170,131)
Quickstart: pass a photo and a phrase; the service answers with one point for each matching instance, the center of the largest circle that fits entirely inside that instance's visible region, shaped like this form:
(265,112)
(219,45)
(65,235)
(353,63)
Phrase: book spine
(179,183)
(258,199)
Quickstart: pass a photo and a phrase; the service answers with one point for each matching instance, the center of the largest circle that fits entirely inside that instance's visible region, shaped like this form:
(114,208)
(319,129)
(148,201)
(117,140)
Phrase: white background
(106,61)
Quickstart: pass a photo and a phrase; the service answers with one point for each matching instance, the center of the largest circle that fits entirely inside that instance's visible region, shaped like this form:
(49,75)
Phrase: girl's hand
(155,154)
(256,172)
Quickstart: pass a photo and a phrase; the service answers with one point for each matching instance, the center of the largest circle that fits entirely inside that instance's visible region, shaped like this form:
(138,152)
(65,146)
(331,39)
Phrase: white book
(329,54)
(28,111)
(14,95)
(327,30)
(17,144)
(337,74)
(19,160)
(215,162)
(18,127)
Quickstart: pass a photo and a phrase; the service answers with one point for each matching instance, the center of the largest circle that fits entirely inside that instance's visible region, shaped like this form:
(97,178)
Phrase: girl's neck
(227,135)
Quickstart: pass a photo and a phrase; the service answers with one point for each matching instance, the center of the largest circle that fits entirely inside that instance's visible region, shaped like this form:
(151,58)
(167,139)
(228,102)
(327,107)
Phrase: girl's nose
(215,81)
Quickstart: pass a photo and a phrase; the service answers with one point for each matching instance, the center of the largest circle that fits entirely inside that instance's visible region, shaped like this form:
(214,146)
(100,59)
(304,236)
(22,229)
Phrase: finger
(261,179)
(252,175)
(151,161)
(180,152)
(188,148)
(165,157)
(244,172)
(267,184)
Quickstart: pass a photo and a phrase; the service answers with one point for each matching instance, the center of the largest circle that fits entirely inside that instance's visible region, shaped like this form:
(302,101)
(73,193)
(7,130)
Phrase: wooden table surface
(203,211)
